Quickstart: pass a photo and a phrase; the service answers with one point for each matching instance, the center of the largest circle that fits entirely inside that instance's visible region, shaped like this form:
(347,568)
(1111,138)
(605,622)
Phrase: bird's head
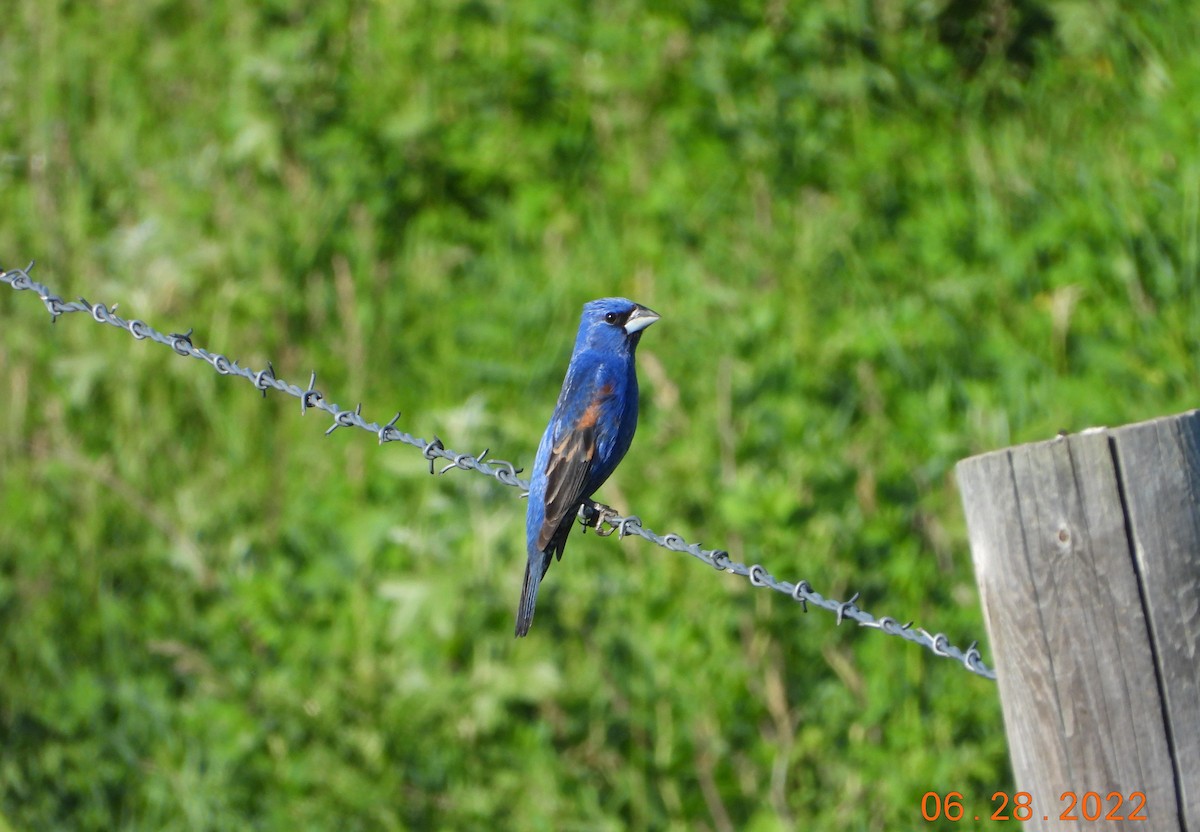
(613,324)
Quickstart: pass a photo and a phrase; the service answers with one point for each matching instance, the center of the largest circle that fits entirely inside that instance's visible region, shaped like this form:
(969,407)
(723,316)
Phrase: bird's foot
(595,515)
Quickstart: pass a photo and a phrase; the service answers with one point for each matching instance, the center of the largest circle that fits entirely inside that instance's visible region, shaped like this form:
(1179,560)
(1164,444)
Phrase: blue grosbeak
(589,433)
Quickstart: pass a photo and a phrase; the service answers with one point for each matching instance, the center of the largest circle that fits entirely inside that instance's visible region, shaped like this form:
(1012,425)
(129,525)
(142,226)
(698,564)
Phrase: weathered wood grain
(1087,557)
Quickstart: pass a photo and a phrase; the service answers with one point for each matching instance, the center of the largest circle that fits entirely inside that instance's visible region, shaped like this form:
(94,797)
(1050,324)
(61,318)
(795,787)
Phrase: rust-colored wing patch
(567,471)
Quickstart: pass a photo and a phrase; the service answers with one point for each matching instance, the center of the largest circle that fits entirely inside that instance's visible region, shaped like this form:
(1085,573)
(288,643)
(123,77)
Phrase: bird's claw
(595,515)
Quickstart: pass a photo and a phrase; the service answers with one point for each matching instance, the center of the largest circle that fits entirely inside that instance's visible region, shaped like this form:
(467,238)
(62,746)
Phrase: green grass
(882,236)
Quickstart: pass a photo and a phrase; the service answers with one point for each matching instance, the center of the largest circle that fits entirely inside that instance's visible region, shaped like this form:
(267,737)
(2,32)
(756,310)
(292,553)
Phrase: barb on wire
(505,472)
(802,592)
(310,397)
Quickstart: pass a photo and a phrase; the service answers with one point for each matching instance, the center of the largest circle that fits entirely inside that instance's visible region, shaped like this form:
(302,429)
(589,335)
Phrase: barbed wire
(505,472)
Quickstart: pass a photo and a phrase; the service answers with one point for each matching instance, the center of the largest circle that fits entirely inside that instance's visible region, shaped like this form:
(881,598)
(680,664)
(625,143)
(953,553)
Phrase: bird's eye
(610,318)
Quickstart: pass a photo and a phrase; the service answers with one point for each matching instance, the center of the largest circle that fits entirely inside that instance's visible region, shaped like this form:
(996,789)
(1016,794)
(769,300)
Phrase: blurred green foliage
(882,235)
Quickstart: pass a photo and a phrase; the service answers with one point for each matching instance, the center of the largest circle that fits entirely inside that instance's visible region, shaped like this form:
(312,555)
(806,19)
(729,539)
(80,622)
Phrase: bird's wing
(572,457)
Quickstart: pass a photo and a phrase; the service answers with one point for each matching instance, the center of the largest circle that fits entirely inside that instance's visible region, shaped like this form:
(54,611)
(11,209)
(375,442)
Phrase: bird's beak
(639,319)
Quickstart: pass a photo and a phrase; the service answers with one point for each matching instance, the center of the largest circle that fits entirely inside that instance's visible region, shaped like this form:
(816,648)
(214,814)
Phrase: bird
(590,431)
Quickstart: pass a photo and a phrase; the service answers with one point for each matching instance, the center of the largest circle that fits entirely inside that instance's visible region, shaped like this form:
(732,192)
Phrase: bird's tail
(529,590)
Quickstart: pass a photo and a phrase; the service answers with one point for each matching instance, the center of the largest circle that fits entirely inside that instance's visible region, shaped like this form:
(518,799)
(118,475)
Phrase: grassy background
(882,235)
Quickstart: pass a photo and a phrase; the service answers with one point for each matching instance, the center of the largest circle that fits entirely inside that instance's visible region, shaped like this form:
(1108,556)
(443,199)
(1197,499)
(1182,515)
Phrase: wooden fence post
(1087,556)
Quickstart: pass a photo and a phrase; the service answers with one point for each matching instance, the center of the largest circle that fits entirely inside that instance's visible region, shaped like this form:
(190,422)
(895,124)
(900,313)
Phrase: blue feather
(588,435)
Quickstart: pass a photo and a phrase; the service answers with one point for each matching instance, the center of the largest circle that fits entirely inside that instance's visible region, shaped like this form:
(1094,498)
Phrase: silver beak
(639,319)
